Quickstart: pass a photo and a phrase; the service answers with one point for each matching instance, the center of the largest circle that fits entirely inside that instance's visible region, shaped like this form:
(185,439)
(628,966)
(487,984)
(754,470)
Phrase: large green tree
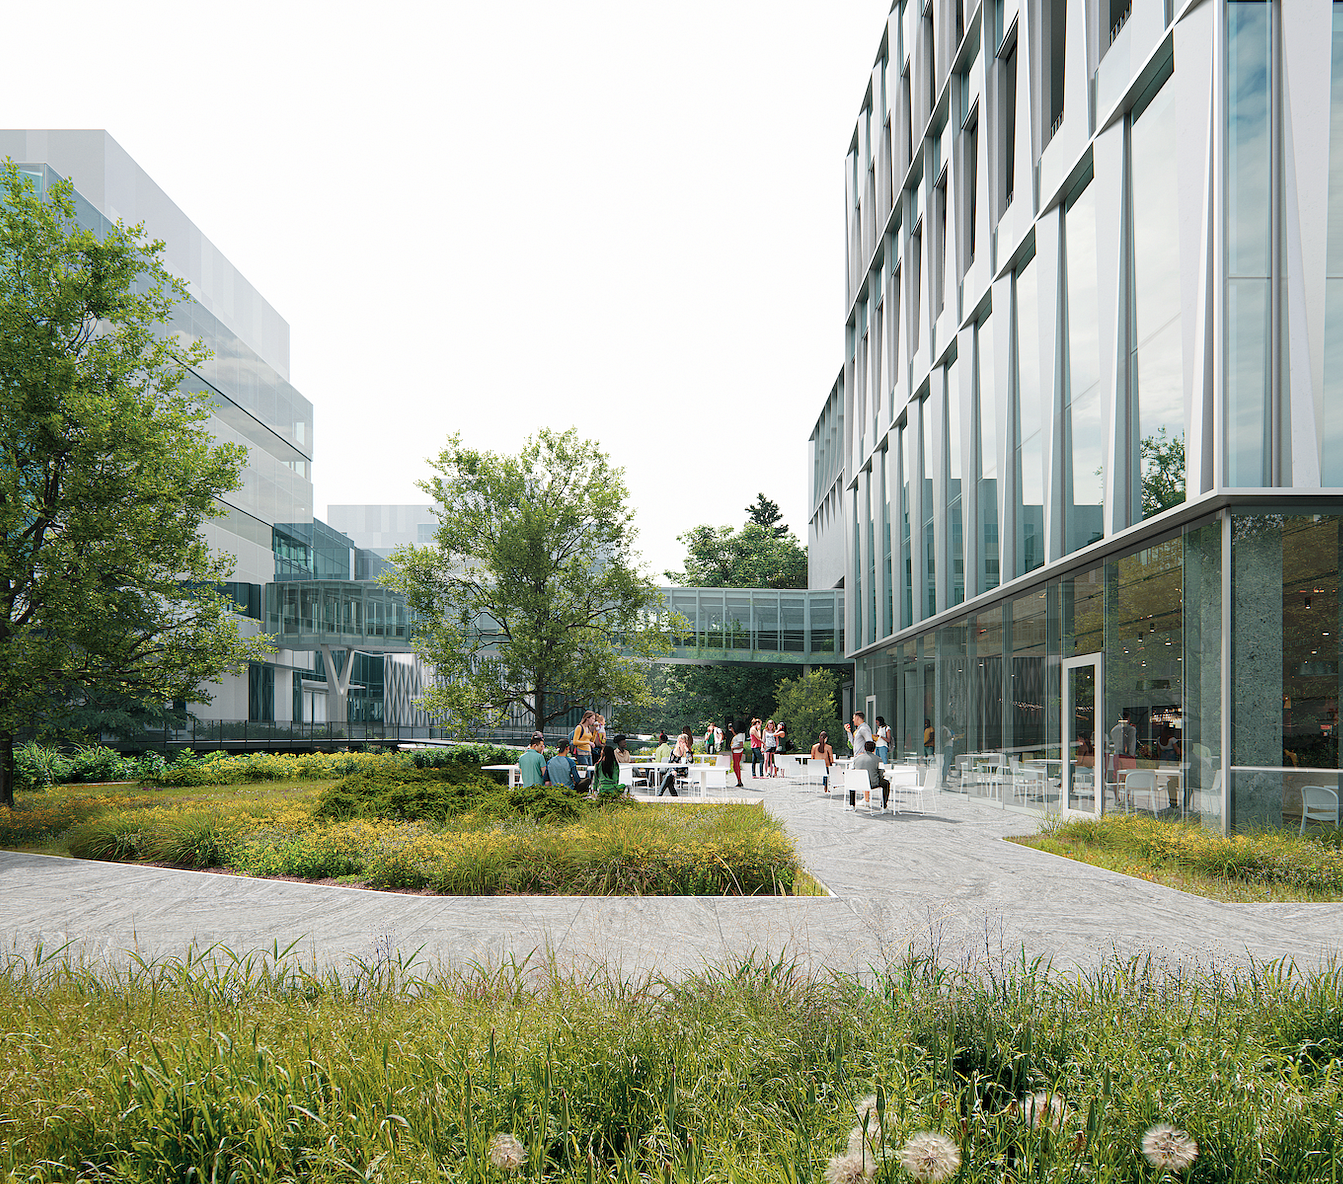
(107,471)
(752,557)
(531,595)
(807,705)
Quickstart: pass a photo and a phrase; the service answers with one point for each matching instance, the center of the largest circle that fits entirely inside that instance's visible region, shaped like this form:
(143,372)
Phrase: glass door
(1082,765)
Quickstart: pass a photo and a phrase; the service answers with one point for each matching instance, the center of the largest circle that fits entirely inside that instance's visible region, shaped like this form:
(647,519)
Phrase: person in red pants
(738,750)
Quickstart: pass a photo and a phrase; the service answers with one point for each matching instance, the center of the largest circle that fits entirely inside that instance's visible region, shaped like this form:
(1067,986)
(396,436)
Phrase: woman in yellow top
(585,735)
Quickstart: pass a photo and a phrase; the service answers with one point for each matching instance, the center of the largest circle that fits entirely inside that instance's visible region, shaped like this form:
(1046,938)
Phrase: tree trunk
(539,709)
(7,769)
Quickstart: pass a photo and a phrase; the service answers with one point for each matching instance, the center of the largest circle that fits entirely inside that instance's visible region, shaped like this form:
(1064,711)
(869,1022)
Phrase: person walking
(738,744)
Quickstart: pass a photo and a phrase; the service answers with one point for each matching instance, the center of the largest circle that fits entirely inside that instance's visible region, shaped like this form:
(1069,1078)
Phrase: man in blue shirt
(562,768)
(532,763)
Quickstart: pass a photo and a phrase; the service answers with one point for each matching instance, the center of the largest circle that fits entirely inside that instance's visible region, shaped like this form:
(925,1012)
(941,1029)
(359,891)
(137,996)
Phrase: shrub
(95,763)
(397,792)
(36,766)
(112,837)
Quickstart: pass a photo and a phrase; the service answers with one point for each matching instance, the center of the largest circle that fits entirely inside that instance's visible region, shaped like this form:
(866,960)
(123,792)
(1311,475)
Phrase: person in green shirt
(606,780)
(532,763)
(662,753)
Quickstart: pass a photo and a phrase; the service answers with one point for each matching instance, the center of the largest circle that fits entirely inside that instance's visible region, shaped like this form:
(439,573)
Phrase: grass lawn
(1268,866)
(487,846)
(257,1069)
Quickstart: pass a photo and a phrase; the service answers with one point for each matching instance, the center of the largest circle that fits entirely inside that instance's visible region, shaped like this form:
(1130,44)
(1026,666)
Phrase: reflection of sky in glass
(1157,367)
(988,453)
(1086,427)
(1028,383)
(1332,468)
(1249,170)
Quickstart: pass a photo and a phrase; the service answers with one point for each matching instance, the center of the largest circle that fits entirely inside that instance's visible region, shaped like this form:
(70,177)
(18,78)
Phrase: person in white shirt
(738,751)
(859,732)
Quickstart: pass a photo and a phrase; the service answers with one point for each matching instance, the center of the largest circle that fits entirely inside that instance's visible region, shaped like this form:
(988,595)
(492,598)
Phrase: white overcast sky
(489,216)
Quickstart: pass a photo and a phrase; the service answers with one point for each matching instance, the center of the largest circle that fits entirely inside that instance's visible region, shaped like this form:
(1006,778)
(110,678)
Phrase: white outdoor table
(514,773)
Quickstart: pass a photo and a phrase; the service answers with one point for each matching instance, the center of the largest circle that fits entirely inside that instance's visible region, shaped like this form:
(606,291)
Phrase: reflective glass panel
(1084,422)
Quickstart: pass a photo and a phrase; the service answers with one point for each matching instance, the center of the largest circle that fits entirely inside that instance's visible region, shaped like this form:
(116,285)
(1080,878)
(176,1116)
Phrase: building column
(337,686)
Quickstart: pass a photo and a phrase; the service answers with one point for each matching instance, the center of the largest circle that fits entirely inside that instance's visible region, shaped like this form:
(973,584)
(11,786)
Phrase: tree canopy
(766,513)
(530,595)
(1162,471)
(107,472)
(756,556)
(806,704)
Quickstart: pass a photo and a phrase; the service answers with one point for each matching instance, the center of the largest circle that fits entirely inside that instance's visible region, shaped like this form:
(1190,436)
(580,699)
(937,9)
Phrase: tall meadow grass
(259,1069)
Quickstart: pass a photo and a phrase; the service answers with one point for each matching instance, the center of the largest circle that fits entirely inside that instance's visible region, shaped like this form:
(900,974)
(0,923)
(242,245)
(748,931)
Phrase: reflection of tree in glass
(1162,472)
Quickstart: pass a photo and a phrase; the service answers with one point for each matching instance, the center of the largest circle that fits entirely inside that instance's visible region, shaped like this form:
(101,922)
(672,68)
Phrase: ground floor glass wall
(1111,675)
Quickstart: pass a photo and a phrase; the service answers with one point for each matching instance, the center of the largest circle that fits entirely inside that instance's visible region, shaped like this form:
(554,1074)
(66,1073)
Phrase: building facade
(1083,457)
(267,523)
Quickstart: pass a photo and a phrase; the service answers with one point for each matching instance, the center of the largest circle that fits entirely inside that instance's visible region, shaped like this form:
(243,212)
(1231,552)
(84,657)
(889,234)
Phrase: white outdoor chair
(930,788)
(1319,803)
(1141,783)
(838,793)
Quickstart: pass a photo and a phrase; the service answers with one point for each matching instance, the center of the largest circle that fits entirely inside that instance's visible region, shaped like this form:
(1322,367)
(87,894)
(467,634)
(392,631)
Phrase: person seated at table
(532,764)
(680,764)
(621,745)
(868,763)
(1086,755)
(562,769)
(821,751)
(663,751)
(606,777)
(1167,744)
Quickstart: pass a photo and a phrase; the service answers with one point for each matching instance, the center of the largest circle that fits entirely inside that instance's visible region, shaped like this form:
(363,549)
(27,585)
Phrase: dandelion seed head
(1167,1147)
(507,1152)
(930,1157)
(1045,1110)
(867,1108)
(869,1144)
(850,1169)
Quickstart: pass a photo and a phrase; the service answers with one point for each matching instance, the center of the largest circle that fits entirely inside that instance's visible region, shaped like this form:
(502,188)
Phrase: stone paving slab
(944,882)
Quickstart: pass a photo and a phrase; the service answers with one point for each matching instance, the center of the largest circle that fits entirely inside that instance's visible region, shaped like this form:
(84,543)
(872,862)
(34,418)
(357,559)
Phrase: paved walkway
(944,882)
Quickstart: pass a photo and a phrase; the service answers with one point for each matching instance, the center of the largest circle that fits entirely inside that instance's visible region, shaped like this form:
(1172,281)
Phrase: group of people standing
(764,738)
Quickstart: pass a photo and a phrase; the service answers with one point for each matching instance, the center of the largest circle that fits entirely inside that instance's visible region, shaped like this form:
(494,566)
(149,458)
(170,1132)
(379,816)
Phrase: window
(1084,419)
(952,467)
(1008,122)
(1030,407)
(915,287)
(970,171)
(929,458)
(1156,365)
(987,452)
(1331,470)
(1055,23)
(941,248)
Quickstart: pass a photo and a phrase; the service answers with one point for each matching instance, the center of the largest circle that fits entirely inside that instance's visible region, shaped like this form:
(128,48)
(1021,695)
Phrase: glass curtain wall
(1285,667)
(1331,468)
(953,464)
(888,484)
(1156,365)
(1084,418)
(991,683)
(870,479)
(1249,254)
(929,550)
(985,411)
(906,556)
(1029,405)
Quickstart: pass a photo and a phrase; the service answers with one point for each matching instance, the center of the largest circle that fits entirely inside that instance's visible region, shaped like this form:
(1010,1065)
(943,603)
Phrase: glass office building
(267,523)
(1086,438)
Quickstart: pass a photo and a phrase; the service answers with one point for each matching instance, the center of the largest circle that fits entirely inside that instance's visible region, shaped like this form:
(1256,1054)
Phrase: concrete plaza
(943,882)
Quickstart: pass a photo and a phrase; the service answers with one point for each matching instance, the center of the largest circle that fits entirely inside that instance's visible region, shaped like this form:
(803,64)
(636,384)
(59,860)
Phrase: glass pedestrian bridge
(712,624)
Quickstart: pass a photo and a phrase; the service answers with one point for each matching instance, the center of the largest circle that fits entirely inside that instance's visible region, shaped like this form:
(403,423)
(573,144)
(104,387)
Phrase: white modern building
(1084,459)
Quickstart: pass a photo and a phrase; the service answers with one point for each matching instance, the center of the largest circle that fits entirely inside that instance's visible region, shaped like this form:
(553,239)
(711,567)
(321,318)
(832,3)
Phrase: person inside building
(532,763)
(929,737)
